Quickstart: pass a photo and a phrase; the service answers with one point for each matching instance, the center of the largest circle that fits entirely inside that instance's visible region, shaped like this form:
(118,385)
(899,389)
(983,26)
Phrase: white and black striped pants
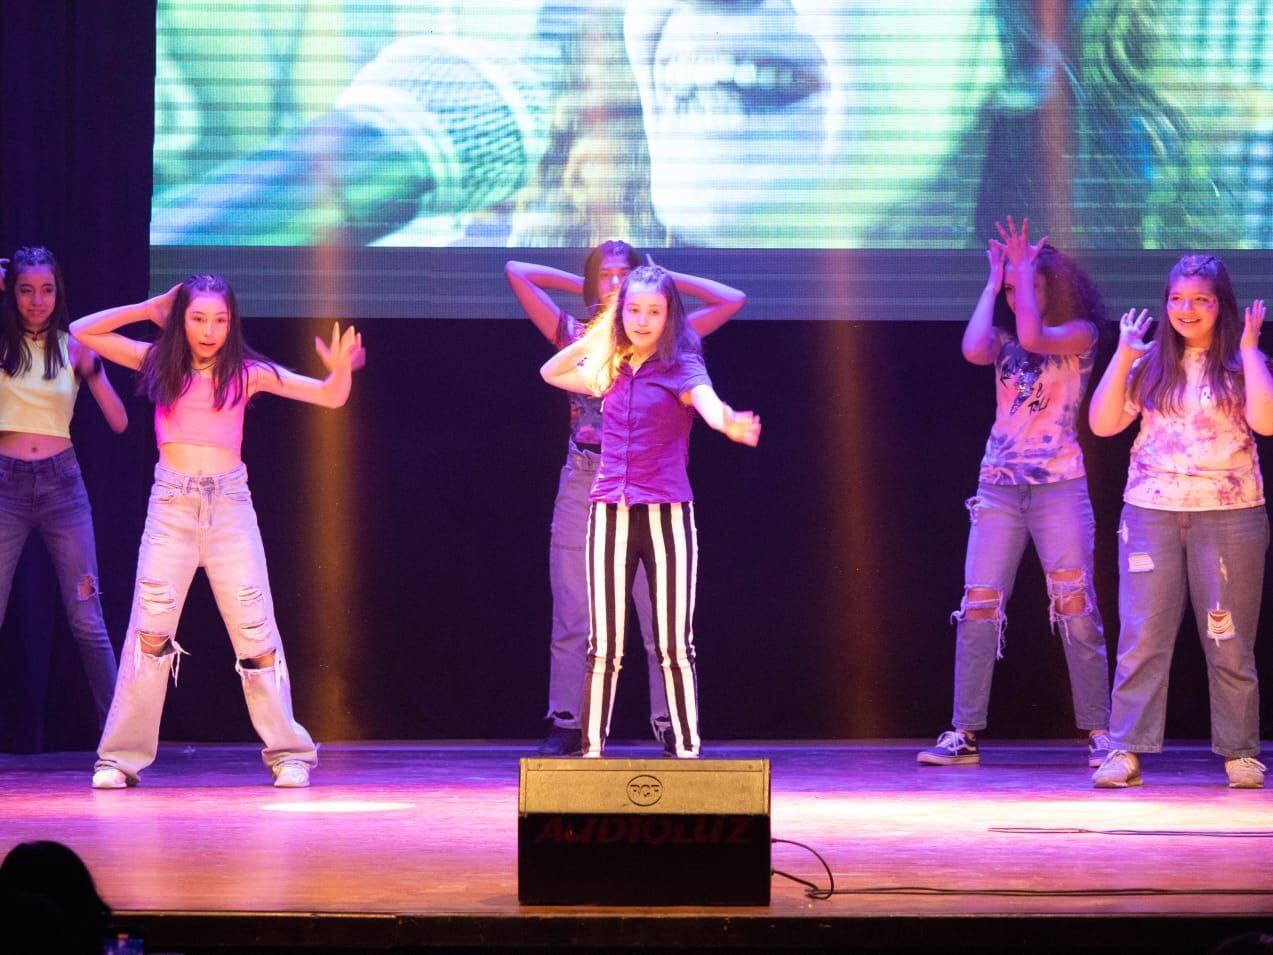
(663,538)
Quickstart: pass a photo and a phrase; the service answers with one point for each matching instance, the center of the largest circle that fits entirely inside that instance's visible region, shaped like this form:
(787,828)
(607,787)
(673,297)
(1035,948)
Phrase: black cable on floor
(812,890)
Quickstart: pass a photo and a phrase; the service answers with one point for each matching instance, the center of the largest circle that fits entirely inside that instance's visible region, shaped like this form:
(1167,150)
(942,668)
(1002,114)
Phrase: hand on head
(995,256)
(161,305)
(1016,245)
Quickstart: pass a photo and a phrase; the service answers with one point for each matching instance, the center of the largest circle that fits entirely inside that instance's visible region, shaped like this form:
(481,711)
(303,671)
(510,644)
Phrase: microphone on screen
(432,126)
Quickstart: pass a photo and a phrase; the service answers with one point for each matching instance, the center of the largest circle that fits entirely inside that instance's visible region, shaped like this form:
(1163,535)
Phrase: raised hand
(357,361)
(742,426)
(1133,328)
(1017,248)
(995,255)
(338,355)
(1251,328)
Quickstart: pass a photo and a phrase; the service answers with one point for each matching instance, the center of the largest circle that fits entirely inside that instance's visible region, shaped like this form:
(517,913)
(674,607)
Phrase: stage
(401,845)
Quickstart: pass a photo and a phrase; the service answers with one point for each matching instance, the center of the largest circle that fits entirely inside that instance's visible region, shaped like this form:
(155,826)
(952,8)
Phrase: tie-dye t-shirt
(585,410)
(1037,398)
(1200,459)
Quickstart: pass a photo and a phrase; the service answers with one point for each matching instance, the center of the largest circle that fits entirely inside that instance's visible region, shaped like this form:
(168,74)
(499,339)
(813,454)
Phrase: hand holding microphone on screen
(432,126)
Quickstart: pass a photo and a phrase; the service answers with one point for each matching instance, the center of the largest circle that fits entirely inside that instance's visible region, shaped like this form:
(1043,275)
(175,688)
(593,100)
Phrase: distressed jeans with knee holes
(208,522)
(1217,559)
(48,495)
(1058,518)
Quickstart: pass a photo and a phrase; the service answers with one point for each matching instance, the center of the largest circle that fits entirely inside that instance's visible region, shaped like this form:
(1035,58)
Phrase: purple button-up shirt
(645,433)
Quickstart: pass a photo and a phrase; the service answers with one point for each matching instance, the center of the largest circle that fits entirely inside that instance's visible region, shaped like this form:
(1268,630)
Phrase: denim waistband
(63,462)
(581,460)
(235,477)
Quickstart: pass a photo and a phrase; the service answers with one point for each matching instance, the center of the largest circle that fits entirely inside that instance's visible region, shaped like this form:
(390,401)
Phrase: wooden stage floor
(414,844)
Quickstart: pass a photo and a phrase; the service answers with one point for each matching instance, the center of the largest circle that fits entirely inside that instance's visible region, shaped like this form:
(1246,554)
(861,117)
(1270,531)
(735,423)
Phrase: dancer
(200,373)
(1038,322)
(41,487)
(644,357)
(605,269)
(1193,513)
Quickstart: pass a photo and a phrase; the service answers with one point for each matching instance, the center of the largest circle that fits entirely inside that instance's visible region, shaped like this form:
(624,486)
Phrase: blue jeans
(1217,558)
(1058,518)
(48,495)
(568,575)
(201,521)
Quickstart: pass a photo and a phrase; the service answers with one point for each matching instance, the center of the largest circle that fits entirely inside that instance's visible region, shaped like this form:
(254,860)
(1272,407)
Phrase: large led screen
(327,138)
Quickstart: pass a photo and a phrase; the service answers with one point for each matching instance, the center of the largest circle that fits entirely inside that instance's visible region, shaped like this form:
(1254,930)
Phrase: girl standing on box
(1038,323)
(200,373)
(41,368)
(1193,518)
(605,269)
(646,361)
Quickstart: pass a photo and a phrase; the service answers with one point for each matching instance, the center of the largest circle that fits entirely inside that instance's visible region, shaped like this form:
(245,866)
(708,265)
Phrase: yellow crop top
(33,404)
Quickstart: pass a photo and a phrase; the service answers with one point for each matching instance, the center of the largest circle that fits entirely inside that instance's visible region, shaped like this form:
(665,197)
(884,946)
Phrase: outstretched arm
(330,392)
(1071,338)
(89,367)
(1108,413)
(531,283)
(740,426)
(97,331)
(1255,373)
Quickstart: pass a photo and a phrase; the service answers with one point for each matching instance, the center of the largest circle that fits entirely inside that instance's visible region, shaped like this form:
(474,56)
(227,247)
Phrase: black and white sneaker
(953,748)
(563,741)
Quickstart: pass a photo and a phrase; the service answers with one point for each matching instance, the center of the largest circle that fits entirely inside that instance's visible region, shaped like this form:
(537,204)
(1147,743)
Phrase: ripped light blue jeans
(48,495)
(568,573)
(1058,518)
(1216,558)
(200,521)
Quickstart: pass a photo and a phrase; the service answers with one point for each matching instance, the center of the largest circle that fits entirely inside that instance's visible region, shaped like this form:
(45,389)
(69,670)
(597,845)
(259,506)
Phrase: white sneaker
(292,776)
(1245,772)
(108,777)
(1119,771)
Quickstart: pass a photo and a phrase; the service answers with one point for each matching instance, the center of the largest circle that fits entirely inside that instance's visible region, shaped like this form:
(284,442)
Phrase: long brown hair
(15,353)
(168,368)
(1159,381)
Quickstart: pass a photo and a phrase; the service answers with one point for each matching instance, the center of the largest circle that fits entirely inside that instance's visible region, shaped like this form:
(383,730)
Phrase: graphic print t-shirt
(1201,459)
(1037,398)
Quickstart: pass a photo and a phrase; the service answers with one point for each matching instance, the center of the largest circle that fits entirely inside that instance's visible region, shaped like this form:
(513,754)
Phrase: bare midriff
(198,458)
(31,447)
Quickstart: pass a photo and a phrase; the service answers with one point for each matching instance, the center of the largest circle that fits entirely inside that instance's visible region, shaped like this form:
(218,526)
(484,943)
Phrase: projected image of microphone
(432,126)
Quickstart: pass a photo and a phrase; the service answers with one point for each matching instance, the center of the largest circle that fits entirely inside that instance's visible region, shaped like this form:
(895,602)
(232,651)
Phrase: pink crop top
(192,419)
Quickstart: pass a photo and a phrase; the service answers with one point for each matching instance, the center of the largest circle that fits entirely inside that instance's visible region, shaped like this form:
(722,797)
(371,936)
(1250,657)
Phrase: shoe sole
(104,787)
(1259,785)
(1118,783)
(927,759)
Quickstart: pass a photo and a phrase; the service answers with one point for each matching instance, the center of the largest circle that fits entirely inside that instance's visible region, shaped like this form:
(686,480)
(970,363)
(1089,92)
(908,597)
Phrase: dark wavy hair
(1159,379)
(592,271)
(168,368)
(15,353)
(1071,294)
